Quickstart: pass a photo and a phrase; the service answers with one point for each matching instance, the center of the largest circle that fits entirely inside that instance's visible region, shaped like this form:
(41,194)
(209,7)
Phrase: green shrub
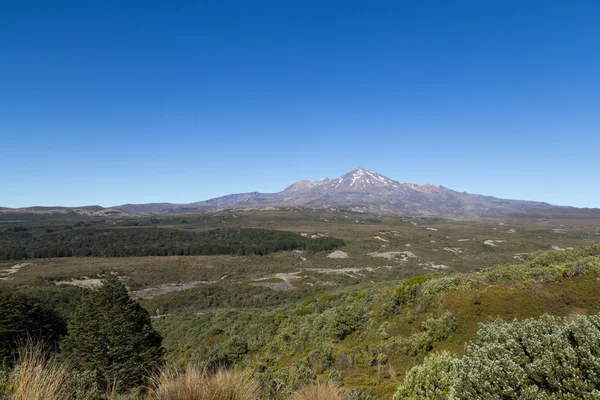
(302,311)
(382,331)
(320,355)
(309,300)
(344,321)
(434,330)
(435,379)
(228,353)
(534,358)
(280,383)
(327,298)
(279,317)
(544,358)
(440,328)
(411,288)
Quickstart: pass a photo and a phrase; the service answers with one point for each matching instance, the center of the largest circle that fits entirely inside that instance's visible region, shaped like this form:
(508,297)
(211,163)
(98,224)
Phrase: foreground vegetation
(39,376)
(544,358)
(367,337)
(365,341)
(409,307)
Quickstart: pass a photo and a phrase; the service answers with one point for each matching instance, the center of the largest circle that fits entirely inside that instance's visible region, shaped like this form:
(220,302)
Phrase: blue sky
(144,101)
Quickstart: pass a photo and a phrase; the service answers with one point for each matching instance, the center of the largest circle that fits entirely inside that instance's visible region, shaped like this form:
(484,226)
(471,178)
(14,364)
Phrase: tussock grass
(38,376)
(320,391)
(198,384)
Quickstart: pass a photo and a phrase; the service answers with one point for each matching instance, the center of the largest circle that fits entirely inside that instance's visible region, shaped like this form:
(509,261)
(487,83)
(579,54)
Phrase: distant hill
(83,210)
(359,190)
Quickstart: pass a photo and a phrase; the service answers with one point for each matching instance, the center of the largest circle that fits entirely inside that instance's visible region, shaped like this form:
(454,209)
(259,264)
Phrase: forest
(19,244)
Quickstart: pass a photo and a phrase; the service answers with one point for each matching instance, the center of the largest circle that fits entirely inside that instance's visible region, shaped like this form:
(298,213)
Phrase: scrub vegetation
(512,319)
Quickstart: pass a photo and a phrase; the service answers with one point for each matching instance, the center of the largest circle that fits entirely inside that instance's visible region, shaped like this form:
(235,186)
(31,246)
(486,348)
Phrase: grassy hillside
(367,337)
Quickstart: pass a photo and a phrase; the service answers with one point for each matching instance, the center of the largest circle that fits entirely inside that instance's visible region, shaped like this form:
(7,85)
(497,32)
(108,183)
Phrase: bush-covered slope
(368,337)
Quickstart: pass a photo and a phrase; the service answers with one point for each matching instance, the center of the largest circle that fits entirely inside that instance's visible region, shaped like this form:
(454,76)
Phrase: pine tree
(111,335)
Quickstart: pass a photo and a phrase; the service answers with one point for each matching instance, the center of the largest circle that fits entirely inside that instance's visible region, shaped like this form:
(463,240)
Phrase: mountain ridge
(360,190)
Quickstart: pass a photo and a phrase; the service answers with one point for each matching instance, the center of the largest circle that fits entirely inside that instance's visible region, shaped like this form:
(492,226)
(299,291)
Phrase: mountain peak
(357,180)
(361,178)
(357,170)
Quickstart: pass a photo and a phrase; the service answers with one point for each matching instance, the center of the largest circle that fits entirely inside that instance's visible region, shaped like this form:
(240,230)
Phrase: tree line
(133,242)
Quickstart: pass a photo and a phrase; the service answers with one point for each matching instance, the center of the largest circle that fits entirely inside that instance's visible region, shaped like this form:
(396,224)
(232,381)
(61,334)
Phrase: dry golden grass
(320,391)
(40,377)
(198,384)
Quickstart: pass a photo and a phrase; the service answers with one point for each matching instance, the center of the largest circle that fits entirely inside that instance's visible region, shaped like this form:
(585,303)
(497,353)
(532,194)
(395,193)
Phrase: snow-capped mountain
(359,190)
(356,181)
(359,180)
(363,190)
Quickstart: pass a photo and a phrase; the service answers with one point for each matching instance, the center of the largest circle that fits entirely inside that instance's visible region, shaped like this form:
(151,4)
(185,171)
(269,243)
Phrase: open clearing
(394,255)
(493,242)
(380,238)
(5,273)
(338,254)
(152,292)
(85,282)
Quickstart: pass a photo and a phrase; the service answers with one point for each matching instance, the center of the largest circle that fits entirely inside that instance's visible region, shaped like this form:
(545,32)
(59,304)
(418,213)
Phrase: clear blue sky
(112,102)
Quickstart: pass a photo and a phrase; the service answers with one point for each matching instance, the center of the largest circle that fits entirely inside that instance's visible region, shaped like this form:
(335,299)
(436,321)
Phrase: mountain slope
(359,190)
(368,191)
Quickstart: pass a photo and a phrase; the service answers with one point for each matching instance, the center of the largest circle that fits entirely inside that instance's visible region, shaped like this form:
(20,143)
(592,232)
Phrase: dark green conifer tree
(111,335)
